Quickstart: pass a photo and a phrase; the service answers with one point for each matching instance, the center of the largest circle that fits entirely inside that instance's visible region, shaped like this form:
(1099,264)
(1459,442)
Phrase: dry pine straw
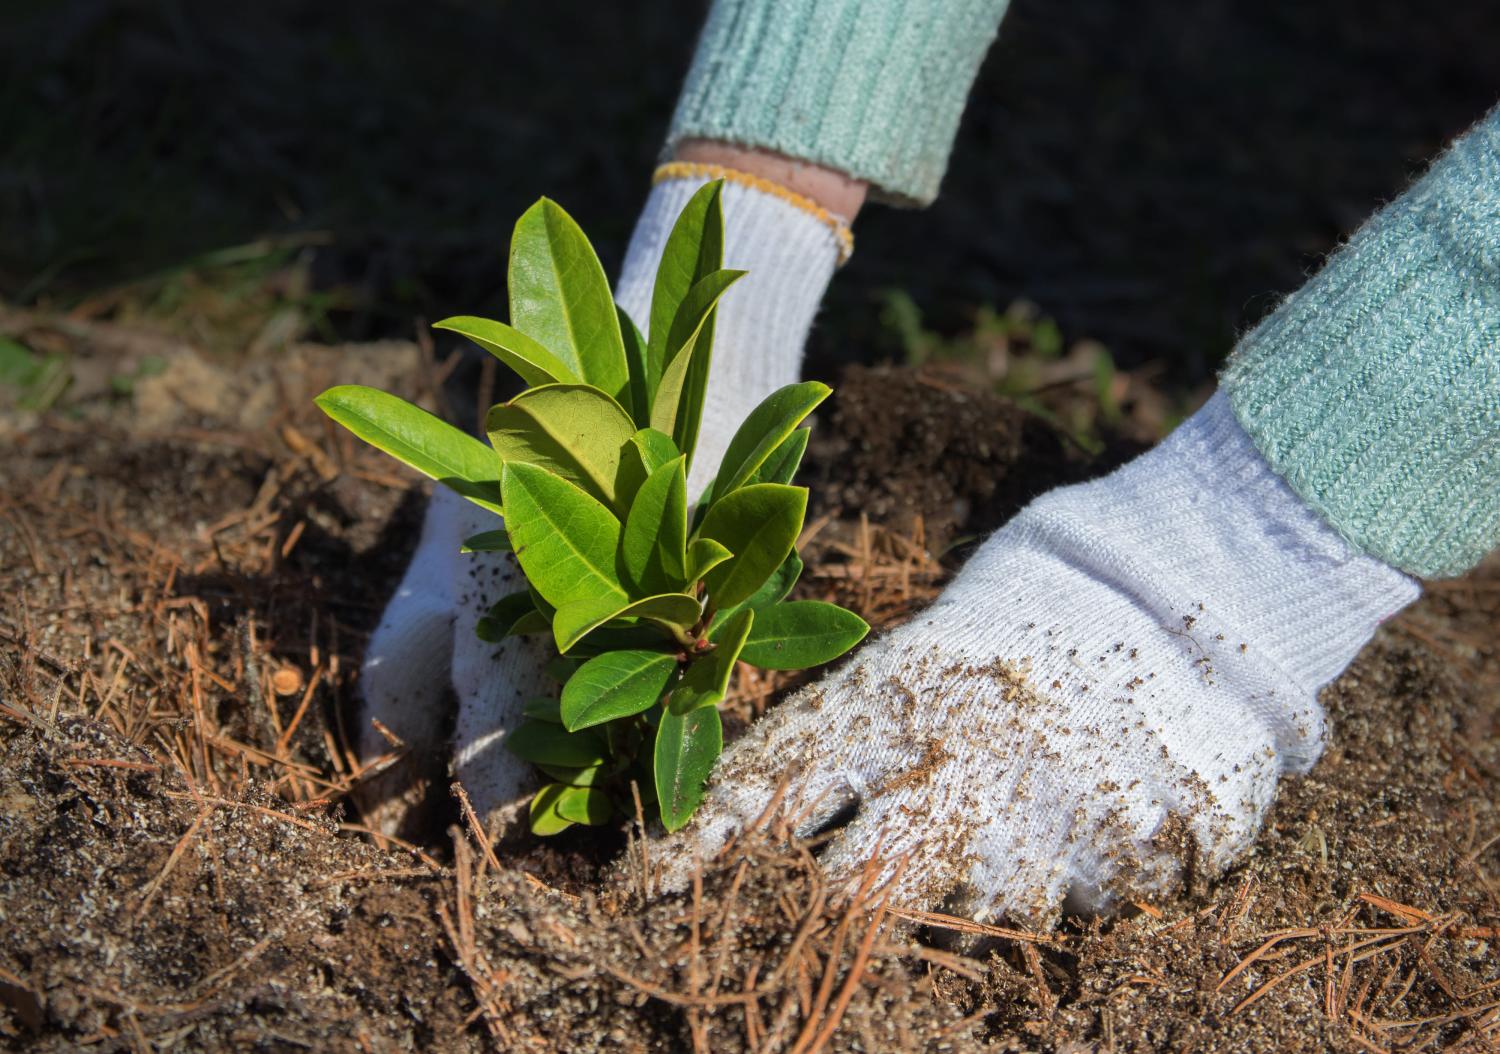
(177,864)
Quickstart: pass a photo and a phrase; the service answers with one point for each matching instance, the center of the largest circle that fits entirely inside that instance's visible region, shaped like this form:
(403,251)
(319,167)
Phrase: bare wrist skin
(838,192)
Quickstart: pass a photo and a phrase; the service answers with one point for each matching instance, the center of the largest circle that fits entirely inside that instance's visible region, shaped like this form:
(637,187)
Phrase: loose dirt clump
(182,863)
(908,447)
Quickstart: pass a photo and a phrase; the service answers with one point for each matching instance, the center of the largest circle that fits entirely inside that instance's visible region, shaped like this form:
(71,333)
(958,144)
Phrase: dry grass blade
(487,986)
(1383,943)
(475,828)
(939,921)
(181,847)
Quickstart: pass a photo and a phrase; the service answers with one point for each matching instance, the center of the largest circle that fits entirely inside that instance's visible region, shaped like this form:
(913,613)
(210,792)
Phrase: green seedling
(30,381)
(649,599)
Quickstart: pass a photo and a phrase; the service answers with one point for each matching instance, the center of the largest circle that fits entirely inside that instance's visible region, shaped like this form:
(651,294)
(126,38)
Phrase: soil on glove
(182,867)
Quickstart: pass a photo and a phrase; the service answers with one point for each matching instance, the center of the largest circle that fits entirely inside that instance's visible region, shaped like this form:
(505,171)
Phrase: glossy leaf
(707,679)
(560,297)
(687,745)
(759,524)
(545,819)
(639,386)
(487,542)
(694,250)
(542,709)
(615,684)
(575,620)
(672,408)
(585,805)
(500,620)
(782,465)
(530,623)
(656,448)
(412,435)
(532,362)
(775,588)
(564,540)
(763,432)
(772,591)
(653,543)
(545,743)
(640,635)
(574,777)
(802,634)
(647,451)
(561,667)
(704,554)
(572,430)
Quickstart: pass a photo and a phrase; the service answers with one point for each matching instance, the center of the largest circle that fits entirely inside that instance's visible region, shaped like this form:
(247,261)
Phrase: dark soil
(180,865)
(917,445)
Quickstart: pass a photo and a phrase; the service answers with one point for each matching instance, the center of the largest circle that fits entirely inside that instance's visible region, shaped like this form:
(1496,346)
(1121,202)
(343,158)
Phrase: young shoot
(649,599)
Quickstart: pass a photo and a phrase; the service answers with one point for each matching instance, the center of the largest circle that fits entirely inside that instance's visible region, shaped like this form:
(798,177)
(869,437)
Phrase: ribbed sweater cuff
(1374,391)
(873,88)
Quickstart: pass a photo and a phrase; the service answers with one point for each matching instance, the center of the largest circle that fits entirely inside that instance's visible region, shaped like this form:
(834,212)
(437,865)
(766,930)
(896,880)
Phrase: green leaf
(763,431)
(40,380)
(707,679)
(412,435)
(572,430)
(534,363)
(802,634)
(639,388)
(782,465)
(586,805)
(615,684)
(500,620)
(656,448)
(561,667)
(653,544)
(687,745)
(775,588)
(704,554)
(543,710)
(575,620)
(564,540)
(545,743)
(545,819)
(772,591)
(560,297)
(530,623)
(647,451)
(621,636)
(487,542)
(694,250)
(759,524)
(574,777)
(675,406)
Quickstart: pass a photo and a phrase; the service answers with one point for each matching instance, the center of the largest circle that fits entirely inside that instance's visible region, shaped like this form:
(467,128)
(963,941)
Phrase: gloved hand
(425,644)
(1109,689)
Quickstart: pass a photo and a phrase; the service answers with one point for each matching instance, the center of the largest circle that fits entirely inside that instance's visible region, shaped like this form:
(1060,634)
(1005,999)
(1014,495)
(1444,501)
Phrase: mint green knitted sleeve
(1374,390)
(874,88)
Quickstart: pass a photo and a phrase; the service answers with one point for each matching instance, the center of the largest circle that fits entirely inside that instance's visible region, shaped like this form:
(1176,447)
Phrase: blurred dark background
(1151,173)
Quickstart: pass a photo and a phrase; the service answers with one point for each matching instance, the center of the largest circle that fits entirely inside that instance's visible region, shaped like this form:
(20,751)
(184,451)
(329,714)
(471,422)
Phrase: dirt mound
(910,446)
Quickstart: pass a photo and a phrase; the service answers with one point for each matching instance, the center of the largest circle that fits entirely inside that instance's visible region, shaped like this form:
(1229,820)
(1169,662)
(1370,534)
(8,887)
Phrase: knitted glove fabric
(426,644)
(1111,687)
(1375,388)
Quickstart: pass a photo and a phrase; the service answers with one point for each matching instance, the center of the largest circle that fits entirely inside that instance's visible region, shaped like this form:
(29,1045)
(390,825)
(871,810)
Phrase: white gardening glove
(425,642)
(1110,688)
